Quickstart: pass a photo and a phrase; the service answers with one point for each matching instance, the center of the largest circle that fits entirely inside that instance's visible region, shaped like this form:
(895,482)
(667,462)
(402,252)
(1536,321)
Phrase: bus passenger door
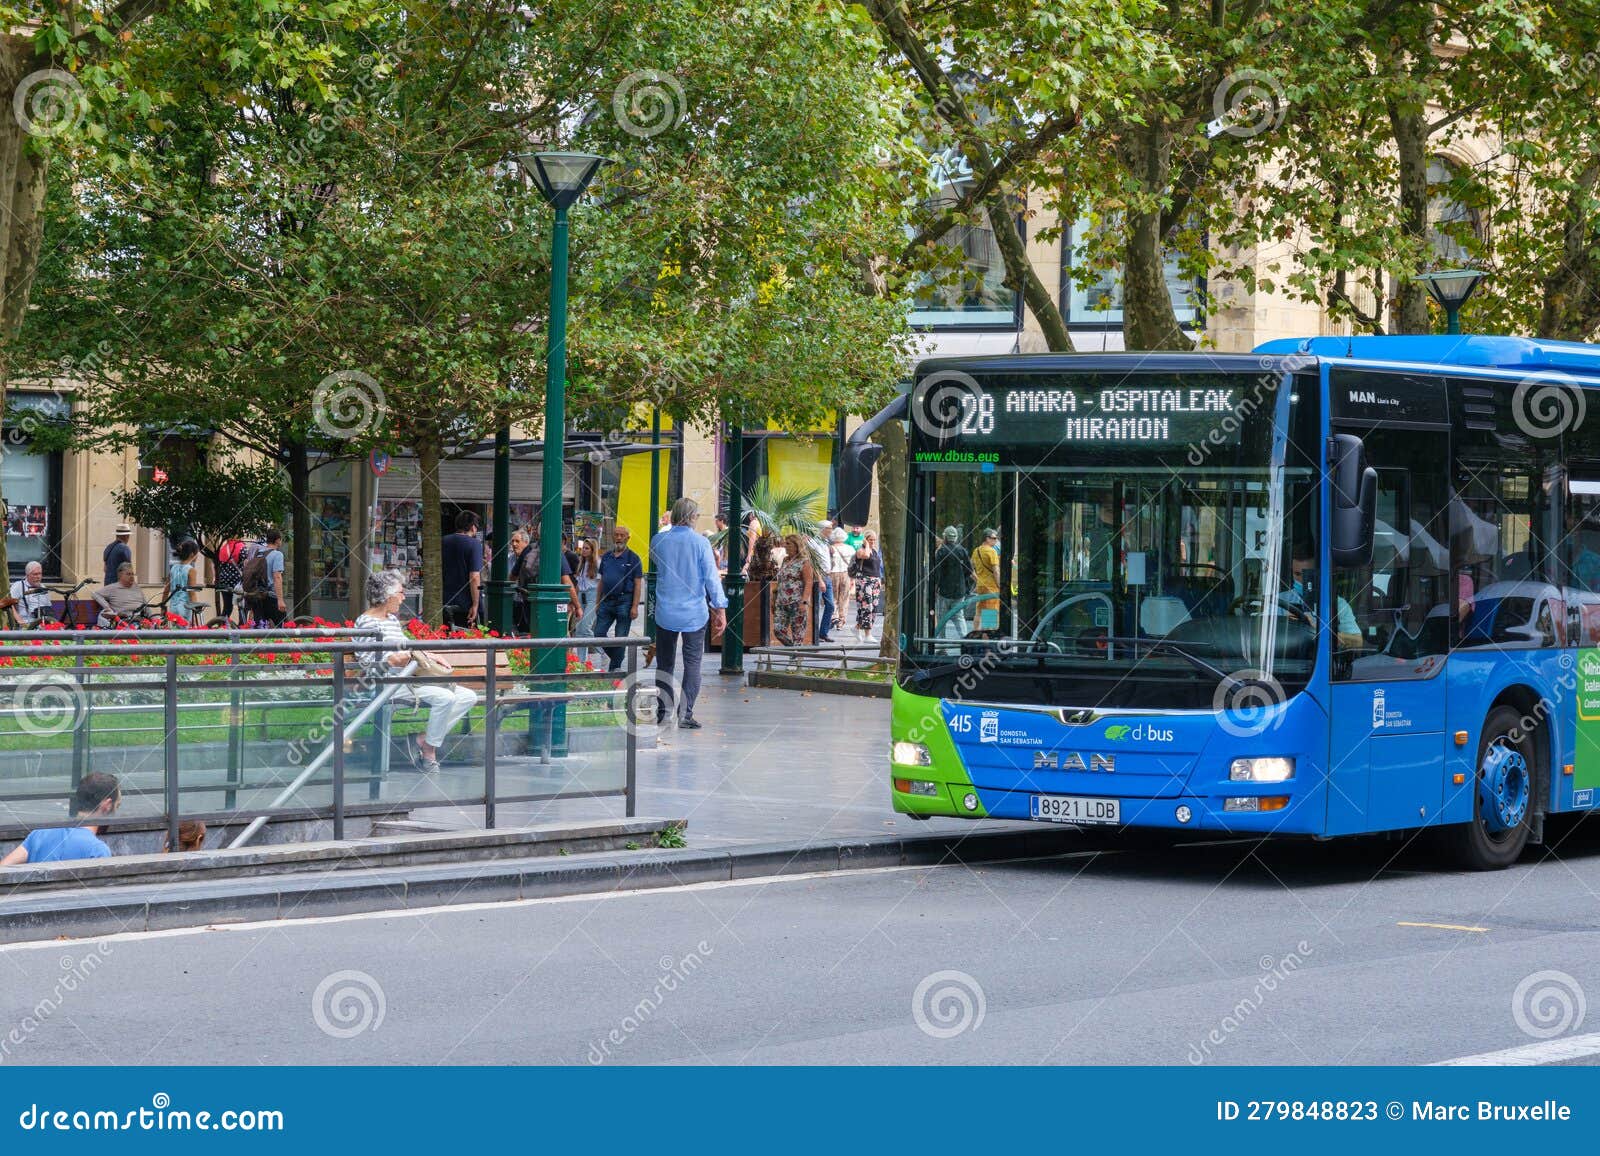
(1390,630)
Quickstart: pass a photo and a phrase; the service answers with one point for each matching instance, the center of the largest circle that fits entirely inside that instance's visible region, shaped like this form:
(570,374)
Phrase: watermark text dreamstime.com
(1274,974)
(673,973)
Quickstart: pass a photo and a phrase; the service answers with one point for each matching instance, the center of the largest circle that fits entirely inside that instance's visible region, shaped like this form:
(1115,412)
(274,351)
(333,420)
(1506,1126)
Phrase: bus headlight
(910,755)
(1275,769)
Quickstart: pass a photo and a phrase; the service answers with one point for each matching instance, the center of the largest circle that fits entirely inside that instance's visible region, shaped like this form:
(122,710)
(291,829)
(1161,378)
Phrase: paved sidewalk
(767,766)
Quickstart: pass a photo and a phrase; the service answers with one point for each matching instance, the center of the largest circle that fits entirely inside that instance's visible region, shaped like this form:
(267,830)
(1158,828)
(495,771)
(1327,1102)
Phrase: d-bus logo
(1143,733)
(1548,405)
(949,402)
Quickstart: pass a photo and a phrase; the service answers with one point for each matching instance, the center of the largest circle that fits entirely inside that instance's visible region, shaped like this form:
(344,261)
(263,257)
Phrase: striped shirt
(375,662)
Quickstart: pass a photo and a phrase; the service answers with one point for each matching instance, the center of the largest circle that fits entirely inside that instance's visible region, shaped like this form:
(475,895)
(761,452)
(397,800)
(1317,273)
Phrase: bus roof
(1523,354)
(1480,352)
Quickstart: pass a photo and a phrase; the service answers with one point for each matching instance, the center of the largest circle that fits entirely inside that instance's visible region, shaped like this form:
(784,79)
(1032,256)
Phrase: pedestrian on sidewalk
(226,574)
(447,705)
(461,563)
(180,581)
(686,582)
(866,576)
(821,563)
(117,552)
(262,581)
(586,577)
(791,601)
(98,796)
(518,574)
(620,591)
(839,556)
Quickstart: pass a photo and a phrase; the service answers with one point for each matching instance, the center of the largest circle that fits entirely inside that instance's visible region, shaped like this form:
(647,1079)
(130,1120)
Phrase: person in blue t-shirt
(97,795)
(620,592)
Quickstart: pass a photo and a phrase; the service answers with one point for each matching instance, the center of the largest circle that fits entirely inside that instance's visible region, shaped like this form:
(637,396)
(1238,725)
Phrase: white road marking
(1530,1055)
(446,908)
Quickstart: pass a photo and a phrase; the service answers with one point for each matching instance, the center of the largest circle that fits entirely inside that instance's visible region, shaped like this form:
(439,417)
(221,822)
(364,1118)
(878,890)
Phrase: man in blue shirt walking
(97,796)
(686,582)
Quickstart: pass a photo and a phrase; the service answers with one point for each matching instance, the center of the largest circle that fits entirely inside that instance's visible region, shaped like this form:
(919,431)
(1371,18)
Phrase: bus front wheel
(1502,801)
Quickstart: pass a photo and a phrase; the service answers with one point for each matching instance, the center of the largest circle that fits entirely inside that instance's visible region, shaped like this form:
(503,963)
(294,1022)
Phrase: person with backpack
(227,574)
(262,581)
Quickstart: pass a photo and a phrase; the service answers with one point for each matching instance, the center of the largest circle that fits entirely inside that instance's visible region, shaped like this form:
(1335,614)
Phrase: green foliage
(671,836)
(211,503)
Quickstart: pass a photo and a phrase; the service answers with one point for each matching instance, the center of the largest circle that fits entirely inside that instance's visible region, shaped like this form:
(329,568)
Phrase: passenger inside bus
(1300,600)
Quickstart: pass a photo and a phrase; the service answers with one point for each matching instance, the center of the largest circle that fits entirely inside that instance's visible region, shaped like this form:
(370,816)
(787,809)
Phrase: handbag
(430,667)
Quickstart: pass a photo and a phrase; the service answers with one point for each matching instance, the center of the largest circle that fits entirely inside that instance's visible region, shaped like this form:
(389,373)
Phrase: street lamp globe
(1451,288)
(561,177)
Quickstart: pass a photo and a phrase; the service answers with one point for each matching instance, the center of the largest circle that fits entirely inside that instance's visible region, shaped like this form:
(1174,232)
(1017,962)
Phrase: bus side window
(1581,557)
(1400,601)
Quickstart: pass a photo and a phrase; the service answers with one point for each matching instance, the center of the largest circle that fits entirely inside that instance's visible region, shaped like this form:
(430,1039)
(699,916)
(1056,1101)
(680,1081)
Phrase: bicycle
(151,615)
(48,617)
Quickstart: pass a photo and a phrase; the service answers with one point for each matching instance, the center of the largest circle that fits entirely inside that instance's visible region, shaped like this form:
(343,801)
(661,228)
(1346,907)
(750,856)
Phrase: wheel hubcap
(1502,789)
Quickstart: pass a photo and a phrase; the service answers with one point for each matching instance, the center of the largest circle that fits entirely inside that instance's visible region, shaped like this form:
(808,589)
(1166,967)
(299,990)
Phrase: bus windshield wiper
(1194,660)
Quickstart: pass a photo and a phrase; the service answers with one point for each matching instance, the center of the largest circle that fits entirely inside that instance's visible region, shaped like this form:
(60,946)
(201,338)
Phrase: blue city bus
(1338,586)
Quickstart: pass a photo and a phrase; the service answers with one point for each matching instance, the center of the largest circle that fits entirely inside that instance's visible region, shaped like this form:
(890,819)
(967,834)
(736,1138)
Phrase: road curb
(80,913)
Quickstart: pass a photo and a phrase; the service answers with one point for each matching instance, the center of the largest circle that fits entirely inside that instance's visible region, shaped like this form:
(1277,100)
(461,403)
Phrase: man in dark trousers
(117,552)
(688,596)
(462,567)
(620,592)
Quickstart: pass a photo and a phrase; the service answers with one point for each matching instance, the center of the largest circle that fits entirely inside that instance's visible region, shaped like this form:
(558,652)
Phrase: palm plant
(790,510)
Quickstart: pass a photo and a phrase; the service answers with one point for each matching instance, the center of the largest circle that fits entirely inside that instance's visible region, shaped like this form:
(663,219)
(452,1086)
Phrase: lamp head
(1451,287)
(561,177)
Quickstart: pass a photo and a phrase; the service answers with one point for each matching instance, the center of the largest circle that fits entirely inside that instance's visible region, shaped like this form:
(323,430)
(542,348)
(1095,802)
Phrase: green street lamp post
(733,582)
(561,179)
(500,559)
(1451,288)
(655,522)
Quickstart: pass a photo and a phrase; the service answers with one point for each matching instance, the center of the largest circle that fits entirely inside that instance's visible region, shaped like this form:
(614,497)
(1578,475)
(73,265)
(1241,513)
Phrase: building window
(1099,301)
(31,483)
(977,294)
(1453,226)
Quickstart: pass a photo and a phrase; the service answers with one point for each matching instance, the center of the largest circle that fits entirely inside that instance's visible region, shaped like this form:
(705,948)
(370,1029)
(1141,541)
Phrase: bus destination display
(1055,414)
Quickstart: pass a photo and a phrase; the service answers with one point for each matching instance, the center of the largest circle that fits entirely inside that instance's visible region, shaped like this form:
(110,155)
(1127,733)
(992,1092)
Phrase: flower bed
(289,652)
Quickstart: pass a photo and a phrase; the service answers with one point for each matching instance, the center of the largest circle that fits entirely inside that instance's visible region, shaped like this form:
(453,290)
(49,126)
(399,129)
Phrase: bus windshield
(1122,571)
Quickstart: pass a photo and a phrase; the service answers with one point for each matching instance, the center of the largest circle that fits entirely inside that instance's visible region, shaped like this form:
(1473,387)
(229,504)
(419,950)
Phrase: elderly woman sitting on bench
(447,705)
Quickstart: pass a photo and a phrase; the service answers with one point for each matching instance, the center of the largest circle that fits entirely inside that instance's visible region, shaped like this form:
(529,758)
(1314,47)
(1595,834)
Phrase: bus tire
(1485,844)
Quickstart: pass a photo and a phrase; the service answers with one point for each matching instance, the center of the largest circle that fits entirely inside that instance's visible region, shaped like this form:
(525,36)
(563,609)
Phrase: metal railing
(833,656)
(121,675)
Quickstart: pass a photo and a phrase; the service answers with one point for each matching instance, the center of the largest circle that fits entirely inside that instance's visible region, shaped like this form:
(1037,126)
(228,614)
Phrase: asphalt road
(1235,954)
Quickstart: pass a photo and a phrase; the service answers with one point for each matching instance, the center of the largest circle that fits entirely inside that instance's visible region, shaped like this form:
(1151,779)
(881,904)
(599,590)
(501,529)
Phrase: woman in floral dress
(791,599)
(866,575)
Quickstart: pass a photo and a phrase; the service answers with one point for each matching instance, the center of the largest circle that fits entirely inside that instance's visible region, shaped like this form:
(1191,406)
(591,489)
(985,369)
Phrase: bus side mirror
(856,467)
(1355,502)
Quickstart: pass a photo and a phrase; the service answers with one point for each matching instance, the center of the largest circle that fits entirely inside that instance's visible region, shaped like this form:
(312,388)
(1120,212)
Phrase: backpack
(254,578)
(230,552)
